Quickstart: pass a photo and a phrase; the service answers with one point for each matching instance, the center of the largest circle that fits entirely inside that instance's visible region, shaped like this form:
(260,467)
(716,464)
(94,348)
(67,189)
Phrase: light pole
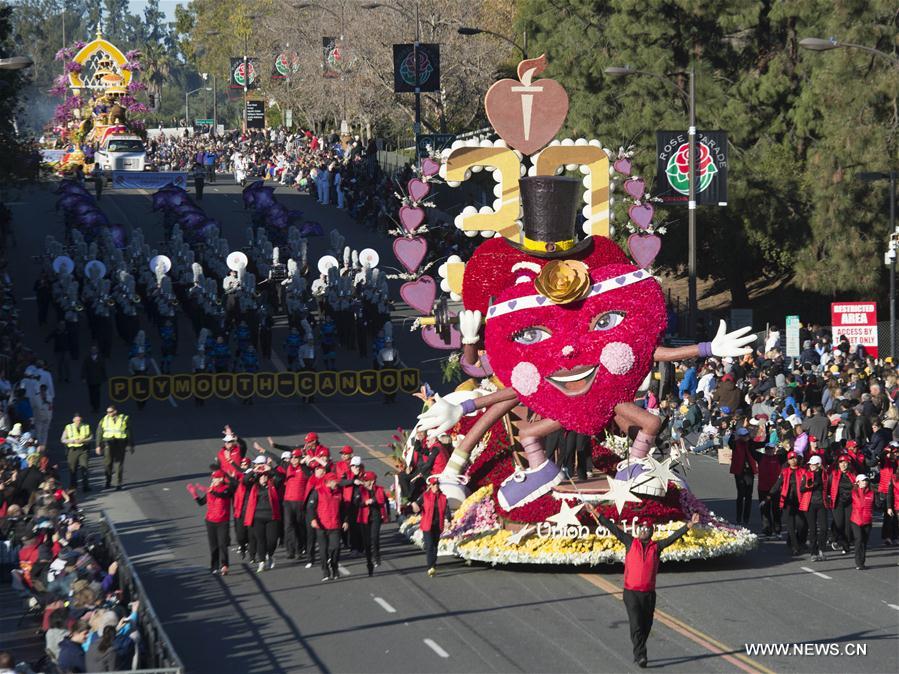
(468,30)
(187,104)
(819,44)
(214,101)
(690,95)
(15,63)
(891,253)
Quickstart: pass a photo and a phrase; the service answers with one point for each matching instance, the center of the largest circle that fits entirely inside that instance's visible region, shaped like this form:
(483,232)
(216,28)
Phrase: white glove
(732,344)
(469,326)
(439,417)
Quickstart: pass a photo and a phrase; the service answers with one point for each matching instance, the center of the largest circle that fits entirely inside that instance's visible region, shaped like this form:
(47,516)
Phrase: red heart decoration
(527,120)
(420,294)
(623,166)
(418,189)
(635,187)
(644,248)
(410,252)
(411,217)
(429,167)
(641,214)
(432,339)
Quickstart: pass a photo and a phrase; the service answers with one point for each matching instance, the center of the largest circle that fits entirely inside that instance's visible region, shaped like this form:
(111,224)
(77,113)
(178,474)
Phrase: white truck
(122,153)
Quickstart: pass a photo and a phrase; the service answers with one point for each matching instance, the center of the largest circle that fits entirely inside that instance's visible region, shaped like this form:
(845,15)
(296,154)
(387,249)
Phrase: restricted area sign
(793,337)
(857,321)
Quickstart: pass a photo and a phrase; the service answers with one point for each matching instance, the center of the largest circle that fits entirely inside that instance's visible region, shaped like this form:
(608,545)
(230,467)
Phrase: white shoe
(260,567)
(271,563)
(308,565)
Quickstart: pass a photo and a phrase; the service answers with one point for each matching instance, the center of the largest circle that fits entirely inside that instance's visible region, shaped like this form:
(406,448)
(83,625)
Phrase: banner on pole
(205,385)
(404,68)
(238,78)
(330,57)
(673,167)
(286,64)
(255,114)
(858,322)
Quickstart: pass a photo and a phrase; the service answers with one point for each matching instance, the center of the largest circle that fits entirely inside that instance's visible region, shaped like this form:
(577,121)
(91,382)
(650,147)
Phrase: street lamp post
(891,252)
(15,63)
(187,104)
(214,94)
(819,44)
(468,30)
(690,95)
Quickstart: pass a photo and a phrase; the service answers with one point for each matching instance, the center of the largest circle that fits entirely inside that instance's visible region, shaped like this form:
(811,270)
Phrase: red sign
(858,322)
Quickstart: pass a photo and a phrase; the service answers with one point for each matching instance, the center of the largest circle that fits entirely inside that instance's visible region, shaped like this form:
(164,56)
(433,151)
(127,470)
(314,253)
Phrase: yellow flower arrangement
(563,281)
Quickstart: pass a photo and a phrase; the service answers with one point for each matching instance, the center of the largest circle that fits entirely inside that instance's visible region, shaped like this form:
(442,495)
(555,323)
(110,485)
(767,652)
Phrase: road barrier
(205,385)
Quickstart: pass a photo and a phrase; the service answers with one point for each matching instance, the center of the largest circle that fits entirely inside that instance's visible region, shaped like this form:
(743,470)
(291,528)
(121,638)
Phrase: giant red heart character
(410,252)
(527,114)
(420,294)
(575,362)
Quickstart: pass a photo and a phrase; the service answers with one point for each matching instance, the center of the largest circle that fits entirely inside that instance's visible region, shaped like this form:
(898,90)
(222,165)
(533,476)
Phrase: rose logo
(678,169)
(239,78)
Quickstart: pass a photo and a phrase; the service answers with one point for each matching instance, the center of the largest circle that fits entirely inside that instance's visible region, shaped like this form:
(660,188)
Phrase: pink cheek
(617,357)
(525,378)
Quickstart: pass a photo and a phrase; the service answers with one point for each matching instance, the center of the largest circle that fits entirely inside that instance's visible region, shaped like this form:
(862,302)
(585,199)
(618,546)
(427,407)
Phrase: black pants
(841,524)
(890,528)
(311,539)
(861,534)
(796,526)
(744,483)
(371,541)
(641,606)
(431,541)
(817,527)
(576,445)
(329,542)
(294,528)
(77,460)
(770,513)
(241,532)
(198,185)
(219,540)
(264,540)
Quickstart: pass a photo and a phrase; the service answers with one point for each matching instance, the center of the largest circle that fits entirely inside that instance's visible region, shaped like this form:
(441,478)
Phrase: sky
(167,6)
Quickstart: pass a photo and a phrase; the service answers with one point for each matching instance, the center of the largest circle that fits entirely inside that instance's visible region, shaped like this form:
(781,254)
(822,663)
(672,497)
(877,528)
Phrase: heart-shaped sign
(527,114)
(623,166)
(411,217)
(429,167)
(420,294)
(641,214)
(635,187)
(410,252)
(644,248)
(418,189)
(432,339)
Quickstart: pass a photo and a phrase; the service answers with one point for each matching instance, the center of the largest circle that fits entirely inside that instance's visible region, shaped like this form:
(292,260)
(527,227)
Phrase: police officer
(113,438)
(76,437)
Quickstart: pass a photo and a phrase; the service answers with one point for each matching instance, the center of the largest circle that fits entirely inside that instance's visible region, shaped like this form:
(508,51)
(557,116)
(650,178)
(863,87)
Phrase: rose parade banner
(238,78)
(285,64)
(857,321)
(330,57)
(148,180)
(673,167)
(404,68)
(205,385)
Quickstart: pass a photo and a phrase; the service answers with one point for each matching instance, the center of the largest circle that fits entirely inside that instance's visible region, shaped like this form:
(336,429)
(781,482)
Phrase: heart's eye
(531,335)
(608,320)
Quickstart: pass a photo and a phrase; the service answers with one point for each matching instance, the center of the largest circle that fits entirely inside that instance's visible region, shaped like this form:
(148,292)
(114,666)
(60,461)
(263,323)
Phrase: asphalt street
(470,618)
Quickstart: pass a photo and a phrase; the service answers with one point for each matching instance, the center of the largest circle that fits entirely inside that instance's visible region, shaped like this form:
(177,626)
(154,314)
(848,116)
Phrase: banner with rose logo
(673,167)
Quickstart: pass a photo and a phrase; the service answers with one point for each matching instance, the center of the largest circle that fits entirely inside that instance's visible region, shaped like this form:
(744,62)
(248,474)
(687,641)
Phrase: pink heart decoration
(418,189)
(410,252)
(641,214)
(429,167)
(623,166)
(420,294)
(411,217)
(432,339)
(644,248)
(635,187)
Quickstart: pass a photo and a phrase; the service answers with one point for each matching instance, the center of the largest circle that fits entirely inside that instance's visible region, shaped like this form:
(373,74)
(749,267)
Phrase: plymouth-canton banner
(148,180)
(205,385)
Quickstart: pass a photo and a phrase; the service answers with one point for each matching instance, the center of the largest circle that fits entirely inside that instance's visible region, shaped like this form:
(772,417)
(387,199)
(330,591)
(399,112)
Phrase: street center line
(895,607)
(817,573)
(384,605)
(434,646)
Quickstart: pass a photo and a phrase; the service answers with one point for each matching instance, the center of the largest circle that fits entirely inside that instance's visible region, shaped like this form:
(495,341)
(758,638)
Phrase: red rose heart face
(574,363)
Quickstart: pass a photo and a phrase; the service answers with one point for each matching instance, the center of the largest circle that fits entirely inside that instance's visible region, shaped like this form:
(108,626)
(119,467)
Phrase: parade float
(96,119)
(556,333)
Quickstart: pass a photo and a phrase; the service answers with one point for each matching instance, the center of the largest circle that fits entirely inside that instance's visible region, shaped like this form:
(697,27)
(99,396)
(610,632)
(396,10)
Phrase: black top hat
(550,206)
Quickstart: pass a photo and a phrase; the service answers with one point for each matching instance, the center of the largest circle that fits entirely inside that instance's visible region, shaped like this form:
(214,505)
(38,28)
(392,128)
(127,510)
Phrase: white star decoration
(567,516)
(655,469)
(518,536)
(620,493)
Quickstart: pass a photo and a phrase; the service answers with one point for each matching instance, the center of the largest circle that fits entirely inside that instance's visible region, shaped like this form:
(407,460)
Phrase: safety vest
(77,433)
(114,429)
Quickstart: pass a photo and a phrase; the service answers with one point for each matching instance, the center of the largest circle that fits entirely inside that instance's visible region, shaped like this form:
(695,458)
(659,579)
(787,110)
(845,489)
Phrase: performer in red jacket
(217,500)
(791,501)
(888,463)
(318,473)
(263,514)
(432,506)
(840,483)
(328,519)
(769,469)
(641,565)
(812,484)
(371,512)
(744,468)
(296,478)
(862,515)
(892,496)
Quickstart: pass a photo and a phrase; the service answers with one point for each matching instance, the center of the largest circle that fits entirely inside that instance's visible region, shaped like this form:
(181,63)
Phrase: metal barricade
(157,653)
